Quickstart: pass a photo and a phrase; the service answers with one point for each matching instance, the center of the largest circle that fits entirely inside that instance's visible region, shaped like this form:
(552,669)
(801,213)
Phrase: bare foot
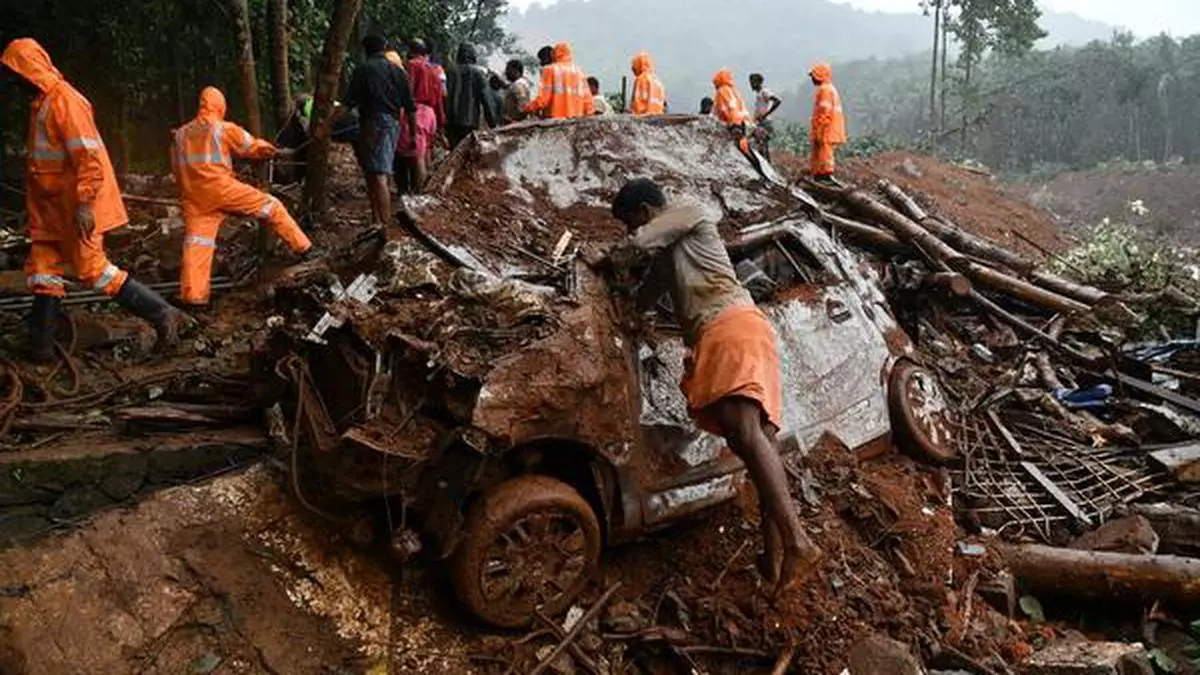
(798,565)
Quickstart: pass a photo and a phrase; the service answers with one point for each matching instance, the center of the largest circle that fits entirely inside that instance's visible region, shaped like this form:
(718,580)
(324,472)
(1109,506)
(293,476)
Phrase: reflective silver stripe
(39,153)
(45,280)
(105,279)
(41,137)
(266,208)
(197,240)
(218,151)
(247,140)
(81,142)
(824,104)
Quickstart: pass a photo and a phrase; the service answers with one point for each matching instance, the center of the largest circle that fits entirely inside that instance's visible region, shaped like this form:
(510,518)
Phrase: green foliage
(793,137)
(152,57)
(1122,259)
(1115,101)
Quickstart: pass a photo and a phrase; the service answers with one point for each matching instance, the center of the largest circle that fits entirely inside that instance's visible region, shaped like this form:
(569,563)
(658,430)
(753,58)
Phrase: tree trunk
(937,37)
(1146,578)
(281,86)
(123,137)
(945,50)
(240,12)
(328,80)
(949,259)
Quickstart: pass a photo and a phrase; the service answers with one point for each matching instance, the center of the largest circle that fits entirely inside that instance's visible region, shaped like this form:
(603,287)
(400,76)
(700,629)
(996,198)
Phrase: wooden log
(980,247)
(1182,461)
(952,234)
(940,253)
(1022,290)
(1098,574)
(908,231)
(860,233)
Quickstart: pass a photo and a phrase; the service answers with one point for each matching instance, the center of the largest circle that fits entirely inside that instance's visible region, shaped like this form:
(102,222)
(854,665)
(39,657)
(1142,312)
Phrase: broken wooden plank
(1056,493)
(1182,461)
(1156,391)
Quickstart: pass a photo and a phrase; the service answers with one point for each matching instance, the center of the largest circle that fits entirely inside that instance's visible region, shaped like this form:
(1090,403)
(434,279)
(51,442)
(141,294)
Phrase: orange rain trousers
(202,226)
(821,159)
(734,356)
(44,268)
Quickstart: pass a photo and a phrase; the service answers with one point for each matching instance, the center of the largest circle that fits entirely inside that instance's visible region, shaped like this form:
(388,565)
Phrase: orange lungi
(821,160)
(735,356)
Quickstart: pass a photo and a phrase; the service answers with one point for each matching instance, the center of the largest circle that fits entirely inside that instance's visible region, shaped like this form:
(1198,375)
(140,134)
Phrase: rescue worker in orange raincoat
(73,199)
(202,159)
(649,94)
(730,109)
(564,92)
(828,129)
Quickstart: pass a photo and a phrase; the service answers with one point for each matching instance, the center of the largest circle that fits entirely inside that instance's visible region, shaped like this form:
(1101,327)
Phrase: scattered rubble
(1045,456)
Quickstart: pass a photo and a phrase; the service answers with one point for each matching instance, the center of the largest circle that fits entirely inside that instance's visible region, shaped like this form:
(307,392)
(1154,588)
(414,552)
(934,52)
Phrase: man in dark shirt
(467,102)
(380,91)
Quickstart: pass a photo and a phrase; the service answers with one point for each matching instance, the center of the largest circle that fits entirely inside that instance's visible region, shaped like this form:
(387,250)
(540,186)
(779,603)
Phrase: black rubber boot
(41,327)
(151,306)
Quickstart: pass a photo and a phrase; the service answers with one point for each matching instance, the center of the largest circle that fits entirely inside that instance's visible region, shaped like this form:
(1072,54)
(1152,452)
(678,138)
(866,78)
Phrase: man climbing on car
(733,373)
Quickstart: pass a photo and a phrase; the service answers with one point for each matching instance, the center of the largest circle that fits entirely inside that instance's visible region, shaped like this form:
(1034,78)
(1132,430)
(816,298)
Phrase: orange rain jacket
(564,93)
(649,95)
(828,119)
(202,159)
(728,105)
(66,166)
(66,161)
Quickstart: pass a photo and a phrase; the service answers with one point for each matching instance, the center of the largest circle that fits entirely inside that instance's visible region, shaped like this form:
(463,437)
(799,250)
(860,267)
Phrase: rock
(1132,534)
(78,501)
(879,654)
(1000,591)
(22,525)
(910,168)
(124,476)
(1087,658)
(623,617)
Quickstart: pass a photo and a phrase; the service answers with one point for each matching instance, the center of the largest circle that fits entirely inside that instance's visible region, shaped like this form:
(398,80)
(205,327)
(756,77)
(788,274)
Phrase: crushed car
(497,399)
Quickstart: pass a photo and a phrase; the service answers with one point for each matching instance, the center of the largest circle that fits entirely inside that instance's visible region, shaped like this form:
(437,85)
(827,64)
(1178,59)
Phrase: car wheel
(921,416)
(530,543)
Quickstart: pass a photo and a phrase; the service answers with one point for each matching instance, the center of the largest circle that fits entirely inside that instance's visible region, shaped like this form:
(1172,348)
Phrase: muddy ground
(232,575)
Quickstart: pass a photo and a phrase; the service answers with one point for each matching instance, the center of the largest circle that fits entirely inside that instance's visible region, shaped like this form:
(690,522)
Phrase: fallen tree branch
(1101,574)
(570,637)
(940,254)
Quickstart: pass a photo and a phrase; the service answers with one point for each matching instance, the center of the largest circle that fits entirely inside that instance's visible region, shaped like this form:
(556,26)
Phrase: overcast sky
(1144,17)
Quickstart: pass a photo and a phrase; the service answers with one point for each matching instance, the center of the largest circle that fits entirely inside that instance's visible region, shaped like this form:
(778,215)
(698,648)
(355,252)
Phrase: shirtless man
(732,383)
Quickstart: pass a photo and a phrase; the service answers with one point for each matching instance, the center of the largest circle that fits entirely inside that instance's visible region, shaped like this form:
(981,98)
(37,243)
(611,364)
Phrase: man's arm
(354,93)
(407,104)
(544,95)
(775,103)
(822,118)
(240,143)
(668,228)
(83,144)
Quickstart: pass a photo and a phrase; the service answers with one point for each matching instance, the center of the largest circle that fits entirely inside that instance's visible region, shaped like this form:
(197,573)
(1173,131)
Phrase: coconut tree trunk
(328,79)
(281,87)
(240,12)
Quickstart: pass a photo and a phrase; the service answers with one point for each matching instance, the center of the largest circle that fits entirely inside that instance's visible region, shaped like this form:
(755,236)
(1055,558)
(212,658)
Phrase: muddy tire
(530,542)
(921,416)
